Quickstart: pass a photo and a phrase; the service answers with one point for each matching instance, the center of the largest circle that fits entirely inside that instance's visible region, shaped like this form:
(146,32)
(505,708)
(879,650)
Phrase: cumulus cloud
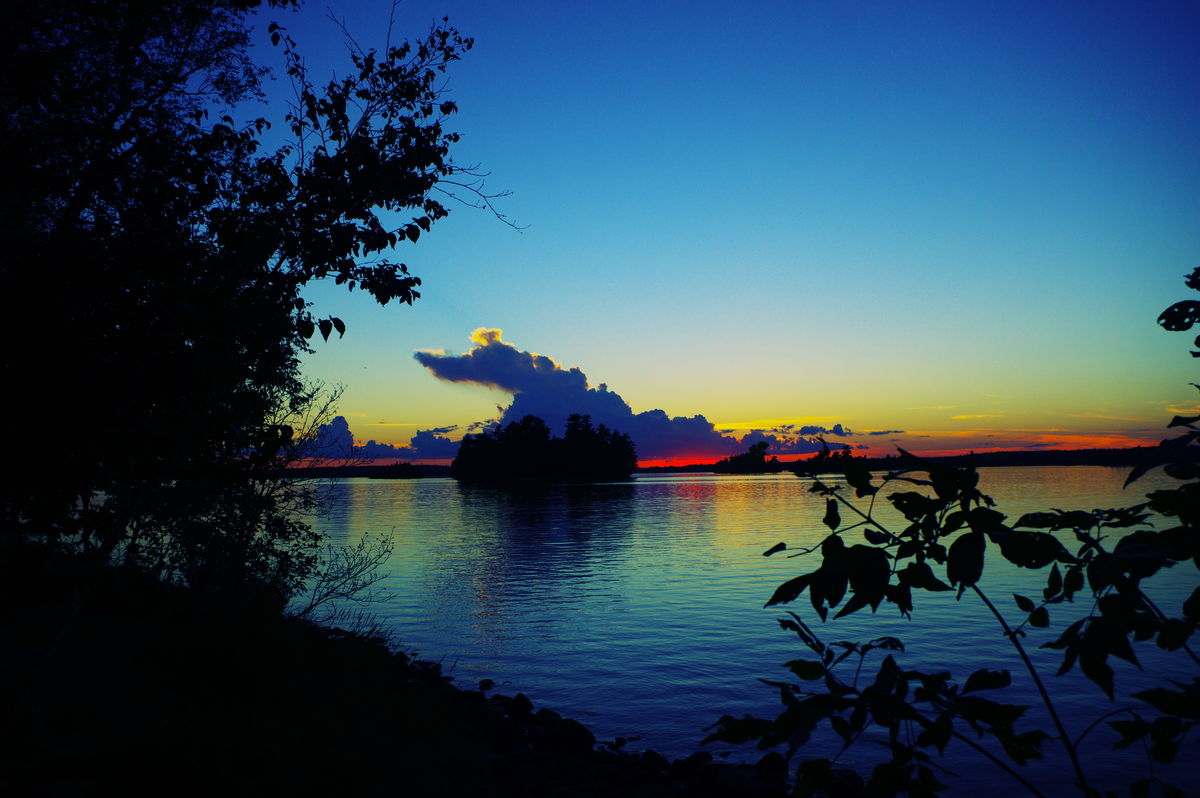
(541,387)
(335,441)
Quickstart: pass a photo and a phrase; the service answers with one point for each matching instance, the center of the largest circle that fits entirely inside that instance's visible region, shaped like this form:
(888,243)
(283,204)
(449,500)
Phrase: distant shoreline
(1115,458)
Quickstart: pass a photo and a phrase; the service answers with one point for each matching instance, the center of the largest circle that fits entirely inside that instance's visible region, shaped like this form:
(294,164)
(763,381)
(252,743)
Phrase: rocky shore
(111,683)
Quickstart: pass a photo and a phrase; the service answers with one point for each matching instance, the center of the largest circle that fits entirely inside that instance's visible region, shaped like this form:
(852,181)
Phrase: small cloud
(976,415)
(885,432)
(1109,417)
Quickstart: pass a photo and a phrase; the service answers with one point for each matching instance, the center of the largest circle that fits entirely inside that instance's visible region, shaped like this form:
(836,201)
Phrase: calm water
(637,607)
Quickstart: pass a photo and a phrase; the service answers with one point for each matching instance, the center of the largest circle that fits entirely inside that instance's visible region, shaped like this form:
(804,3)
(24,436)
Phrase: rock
(569,735)
(520,706)
(773,767)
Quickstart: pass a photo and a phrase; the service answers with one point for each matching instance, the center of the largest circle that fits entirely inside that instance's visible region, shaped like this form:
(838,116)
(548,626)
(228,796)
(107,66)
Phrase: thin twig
(1037,680)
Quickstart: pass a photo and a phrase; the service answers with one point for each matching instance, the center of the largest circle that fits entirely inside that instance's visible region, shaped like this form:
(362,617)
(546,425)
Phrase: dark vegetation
(1106,558)
(526,451)
(753,461)
(156,254)
(151,690)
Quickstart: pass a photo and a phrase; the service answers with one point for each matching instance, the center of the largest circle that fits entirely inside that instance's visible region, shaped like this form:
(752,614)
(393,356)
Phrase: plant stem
(1037,680)
(998,762)
(1163,617)
(1098,720)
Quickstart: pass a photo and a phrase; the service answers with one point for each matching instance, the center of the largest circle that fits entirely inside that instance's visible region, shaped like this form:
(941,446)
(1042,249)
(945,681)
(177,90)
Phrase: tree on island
(525,450)
(752,461)
(156,254)
(827,461)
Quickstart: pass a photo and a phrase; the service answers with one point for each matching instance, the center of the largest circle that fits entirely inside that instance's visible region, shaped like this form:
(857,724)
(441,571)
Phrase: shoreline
(1113,458)
(113,682)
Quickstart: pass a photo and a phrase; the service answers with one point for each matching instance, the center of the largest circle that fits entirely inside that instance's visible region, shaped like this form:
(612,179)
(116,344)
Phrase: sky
(952,225)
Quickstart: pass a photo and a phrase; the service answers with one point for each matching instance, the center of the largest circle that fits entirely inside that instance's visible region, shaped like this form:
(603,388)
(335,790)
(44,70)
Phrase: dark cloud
(780,442)
(541,387)
(427,444)
(886,432)
(335,441)
(811,430)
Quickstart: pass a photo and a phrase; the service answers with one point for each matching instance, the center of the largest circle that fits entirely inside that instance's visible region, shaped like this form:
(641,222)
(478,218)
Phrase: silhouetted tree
(156,254)
(525,450)
(752,461)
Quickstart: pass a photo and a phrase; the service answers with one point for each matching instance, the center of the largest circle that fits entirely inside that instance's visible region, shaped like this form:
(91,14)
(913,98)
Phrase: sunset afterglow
(947,227)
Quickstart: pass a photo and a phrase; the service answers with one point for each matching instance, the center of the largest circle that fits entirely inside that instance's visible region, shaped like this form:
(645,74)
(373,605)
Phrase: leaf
(1095,668)
(1184,704)
(806,669)
(870,571)
(1191,607)
(778,547)
(913,505)
(1073,582)
(1130,730)
(789,590)
(859,478)
(1024,604)
(737,730)
(1037,520)
(985,679)
(856,603)
(964,565)
(326,327)
(1025,746)
(887,644)
(1040,618)
(876,536)
(1054,583)
(1164,751)
(1180,316)
(338,325)
(842,727)
(1174,634)
(937,734)
(832,519)
(920,575)
(993,713)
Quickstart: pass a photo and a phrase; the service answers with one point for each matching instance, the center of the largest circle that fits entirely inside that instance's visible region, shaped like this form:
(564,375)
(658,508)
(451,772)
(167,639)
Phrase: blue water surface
(637,607)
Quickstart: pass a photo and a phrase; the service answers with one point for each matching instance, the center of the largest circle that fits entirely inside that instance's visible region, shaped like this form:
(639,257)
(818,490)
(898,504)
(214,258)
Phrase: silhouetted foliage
(525,450)
(753,461)
(1103,556)
(155,256)
(827,461)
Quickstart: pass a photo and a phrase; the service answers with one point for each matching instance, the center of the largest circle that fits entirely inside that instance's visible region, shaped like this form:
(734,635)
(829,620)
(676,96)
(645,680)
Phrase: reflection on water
(637,607)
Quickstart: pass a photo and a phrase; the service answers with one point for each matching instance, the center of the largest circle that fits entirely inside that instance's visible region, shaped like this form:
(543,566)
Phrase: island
(525,450)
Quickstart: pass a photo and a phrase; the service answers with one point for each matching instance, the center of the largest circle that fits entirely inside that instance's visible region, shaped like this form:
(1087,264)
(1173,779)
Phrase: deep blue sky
(953,219)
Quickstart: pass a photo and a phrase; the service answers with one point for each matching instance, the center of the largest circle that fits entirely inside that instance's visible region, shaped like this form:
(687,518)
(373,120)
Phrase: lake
(637,607)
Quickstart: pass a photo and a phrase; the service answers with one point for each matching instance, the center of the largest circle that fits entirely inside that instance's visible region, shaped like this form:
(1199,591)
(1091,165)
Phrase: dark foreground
(111,683)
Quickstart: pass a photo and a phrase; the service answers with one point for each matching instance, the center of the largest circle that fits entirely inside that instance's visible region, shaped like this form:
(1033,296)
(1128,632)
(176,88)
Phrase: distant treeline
(753,461)
(1051,457)
(525,450)
(373,471)
(744,464)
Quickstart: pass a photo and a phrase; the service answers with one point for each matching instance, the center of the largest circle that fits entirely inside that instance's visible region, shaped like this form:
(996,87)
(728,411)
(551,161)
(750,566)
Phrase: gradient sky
(951,219)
